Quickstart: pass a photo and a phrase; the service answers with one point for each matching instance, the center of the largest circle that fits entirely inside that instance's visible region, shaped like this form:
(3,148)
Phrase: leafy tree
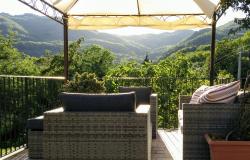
(140,75)
(223,74)
(227,56)
(14,62)
(169,78)
(245,41)
(93,59)
(238,5)
(199,62)
(227,53)
(56,62)
(132,69)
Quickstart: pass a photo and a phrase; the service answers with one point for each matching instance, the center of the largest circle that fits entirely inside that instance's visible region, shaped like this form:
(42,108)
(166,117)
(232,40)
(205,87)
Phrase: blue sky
(14,7)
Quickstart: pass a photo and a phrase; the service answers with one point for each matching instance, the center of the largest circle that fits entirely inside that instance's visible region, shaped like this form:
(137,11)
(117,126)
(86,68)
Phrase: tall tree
(238,5)
(92,59)
(12,61)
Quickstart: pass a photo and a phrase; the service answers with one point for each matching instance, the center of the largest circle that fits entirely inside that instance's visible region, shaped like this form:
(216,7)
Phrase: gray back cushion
(98,102)
(142,93)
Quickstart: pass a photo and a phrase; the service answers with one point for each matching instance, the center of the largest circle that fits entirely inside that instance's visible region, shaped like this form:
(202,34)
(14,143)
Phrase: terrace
(33,96)
(25,97)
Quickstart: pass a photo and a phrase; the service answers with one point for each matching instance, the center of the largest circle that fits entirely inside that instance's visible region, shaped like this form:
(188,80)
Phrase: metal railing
(23,97)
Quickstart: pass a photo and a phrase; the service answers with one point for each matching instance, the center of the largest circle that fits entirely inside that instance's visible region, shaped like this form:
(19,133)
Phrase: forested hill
(36,34)
(203,37)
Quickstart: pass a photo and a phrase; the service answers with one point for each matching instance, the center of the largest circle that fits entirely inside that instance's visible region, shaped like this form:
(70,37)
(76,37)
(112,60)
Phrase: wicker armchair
(35,137)
(199,119)
(98,135)
(144,95)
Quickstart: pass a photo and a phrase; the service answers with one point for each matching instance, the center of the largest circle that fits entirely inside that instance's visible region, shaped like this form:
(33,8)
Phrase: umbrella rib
(138,8)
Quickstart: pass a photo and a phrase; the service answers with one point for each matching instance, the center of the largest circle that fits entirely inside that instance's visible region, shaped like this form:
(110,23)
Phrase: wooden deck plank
(22,155)
(159,152)
(173,141)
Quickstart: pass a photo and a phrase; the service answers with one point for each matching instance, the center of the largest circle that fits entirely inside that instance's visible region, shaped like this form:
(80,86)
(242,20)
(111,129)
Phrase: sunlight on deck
(172,140)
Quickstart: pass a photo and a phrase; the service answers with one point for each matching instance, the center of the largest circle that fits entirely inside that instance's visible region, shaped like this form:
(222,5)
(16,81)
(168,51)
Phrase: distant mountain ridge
(203,37)
(38,33)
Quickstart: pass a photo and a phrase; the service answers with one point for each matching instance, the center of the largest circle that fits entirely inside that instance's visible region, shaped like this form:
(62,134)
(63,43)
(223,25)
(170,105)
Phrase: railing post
(239,65)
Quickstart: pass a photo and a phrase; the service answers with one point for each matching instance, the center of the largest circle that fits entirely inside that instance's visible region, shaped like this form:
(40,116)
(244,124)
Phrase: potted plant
(236,144)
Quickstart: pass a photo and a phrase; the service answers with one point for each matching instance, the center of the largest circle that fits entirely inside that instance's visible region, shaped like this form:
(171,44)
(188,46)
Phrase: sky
(14,7)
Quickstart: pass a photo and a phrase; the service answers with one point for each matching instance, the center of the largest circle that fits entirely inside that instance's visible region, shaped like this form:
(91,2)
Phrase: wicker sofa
(144,95)
(199,119)
(110,129)
(134,124)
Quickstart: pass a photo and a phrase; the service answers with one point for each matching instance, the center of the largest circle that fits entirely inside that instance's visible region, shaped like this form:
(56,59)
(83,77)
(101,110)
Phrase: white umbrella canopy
(159,14)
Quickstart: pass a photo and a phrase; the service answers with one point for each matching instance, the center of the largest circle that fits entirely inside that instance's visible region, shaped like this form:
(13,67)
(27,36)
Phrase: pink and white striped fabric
(225,93)
(196,95)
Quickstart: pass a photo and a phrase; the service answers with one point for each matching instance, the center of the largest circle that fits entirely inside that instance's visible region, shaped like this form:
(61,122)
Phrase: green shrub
(223,74)
(84,83)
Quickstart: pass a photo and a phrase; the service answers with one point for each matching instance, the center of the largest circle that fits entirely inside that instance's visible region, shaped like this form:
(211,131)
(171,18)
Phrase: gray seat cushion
(98,102)
(142,93)
(35,123)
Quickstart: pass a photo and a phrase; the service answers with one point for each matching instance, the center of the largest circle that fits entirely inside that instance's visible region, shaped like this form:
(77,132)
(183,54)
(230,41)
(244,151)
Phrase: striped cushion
(196,95)
(221,94)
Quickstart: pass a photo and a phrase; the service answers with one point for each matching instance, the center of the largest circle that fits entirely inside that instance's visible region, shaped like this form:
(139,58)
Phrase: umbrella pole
(212,55)
(66,48)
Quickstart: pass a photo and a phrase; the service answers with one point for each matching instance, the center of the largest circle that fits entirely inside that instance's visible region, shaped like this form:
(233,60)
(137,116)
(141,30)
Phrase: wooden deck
(159,150)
